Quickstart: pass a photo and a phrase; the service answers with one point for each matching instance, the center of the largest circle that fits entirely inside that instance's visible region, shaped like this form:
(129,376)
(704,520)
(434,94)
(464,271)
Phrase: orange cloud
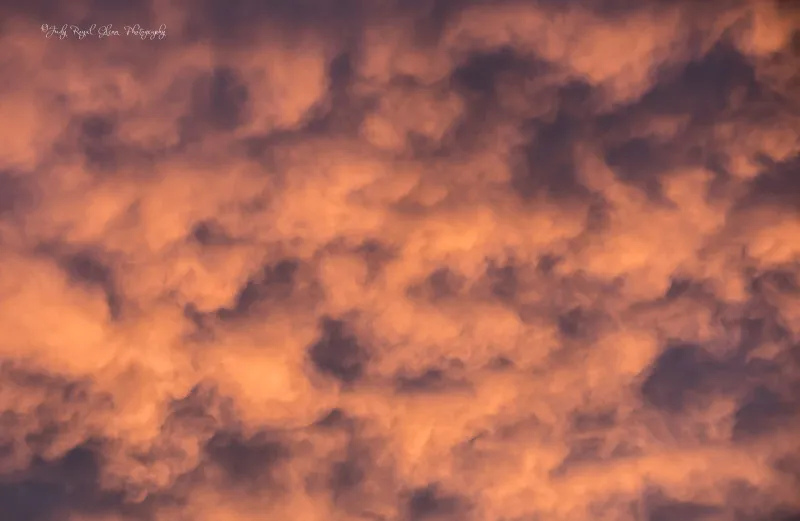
(493,260)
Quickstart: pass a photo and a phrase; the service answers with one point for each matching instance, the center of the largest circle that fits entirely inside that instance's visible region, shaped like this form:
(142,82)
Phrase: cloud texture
(429,260)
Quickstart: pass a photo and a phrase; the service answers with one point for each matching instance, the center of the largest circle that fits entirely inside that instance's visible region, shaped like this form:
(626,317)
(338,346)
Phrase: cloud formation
(421,261)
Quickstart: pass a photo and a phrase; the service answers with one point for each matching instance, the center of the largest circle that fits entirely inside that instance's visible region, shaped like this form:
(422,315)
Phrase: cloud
(426,260)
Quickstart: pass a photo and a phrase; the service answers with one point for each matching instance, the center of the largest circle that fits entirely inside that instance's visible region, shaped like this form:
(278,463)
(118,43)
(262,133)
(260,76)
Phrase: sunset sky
(400,260)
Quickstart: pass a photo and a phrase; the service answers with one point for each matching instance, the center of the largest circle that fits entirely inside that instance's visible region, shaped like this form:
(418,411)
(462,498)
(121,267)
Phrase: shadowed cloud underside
(430,260)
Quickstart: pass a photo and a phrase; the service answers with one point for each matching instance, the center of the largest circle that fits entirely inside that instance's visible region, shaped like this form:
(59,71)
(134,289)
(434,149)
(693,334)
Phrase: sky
(400,260)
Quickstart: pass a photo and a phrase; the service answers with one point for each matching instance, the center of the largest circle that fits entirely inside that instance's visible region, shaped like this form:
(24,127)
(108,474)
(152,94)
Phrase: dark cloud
(702,89)
(668,510)
(777,183)
(422,260)
(441,284)
(53,482)
(338,352)
(274,281)
(719,87)
(762,411)
(678,373)
(210,233)
(86,268)
(346,476)
(96,139)
(247,461)
(243,20)
(430,502)
(219,101)
(50,490)
(334,418)
(431,381)
(640,161)
(15,192)
(480,72)
(589,421)
(91,11)
(547,164)
(502,281)
(572,323)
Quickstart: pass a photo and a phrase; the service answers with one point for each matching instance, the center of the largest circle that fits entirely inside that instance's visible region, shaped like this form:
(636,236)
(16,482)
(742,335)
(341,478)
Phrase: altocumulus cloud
(401,260)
